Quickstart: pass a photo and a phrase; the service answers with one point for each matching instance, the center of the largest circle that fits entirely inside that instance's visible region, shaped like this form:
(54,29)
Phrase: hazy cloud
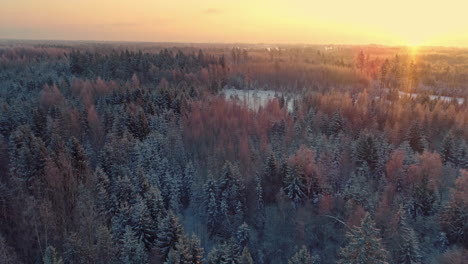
(212,11)
(123,25)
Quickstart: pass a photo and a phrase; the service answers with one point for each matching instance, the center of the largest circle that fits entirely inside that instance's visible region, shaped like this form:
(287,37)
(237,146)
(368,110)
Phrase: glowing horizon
(398,22)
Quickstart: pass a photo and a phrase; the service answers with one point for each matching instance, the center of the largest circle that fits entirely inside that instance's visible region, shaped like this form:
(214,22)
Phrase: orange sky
(397,22)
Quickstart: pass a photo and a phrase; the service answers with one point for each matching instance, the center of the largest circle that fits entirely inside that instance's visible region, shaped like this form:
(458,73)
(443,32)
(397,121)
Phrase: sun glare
(413,50)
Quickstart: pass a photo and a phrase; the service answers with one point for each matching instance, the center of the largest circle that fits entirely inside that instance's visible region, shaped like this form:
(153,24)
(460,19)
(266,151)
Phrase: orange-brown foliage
(430,166)
(51,95)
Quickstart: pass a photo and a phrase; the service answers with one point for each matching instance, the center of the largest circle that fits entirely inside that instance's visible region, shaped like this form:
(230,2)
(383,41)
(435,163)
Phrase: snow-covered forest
(132,153)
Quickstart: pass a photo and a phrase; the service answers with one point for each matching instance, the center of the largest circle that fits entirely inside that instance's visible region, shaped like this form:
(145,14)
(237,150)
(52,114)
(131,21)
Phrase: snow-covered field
(254,99)
(434,97)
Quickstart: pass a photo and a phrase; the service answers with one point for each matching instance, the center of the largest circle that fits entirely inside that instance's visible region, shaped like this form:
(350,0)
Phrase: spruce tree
(461,155)
(336,125)
(366,151)
(294,185)
(79,159)
(454,218)
(27,159)
(133,249)
(410,157)
(51,256)
(423,198)
(169,233)
(211,203)
(189,250)
(260,209)
(187,181)
(416,138)
(408,250)
(175,193)
(104,248)
(226,253)
(231,200)
(155,205)
(243,235)
(142,223)
(303,256)
(119,221)
(271,179)
(448,150)
(357,187)
(173,257)
(384,74)
(245,257)
(103,201)
(364,245)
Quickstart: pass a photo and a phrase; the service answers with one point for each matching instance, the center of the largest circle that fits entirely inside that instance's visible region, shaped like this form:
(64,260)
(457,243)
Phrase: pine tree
(364,245)
(294,185)
(303,256)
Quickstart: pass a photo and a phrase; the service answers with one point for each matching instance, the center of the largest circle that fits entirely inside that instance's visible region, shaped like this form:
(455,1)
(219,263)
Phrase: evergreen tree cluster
(118,156)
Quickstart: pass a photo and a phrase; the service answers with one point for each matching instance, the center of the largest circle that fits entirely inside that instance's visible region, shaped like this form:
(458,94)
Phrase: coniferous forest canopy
(150,153)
